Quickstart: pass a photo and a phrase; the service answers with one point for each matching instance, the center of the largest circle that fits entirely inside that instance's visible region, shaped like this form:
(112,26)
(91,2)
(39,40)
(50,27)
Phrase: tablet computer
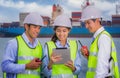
(65,54)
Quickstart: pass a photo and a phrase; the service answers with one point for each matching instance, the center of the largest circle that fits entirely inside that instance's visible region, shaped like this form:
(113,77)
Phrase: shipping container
(6,25)
(76,24)
(75,21)
(1,24)
(106,23)
(15,24)
(116,19)
(76,14)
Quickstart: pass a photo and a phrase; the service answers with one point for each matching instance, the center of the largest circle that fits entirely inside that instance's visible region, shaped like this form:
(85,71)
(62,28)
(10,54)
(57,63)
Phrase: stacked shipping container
(75,18)
(116,20)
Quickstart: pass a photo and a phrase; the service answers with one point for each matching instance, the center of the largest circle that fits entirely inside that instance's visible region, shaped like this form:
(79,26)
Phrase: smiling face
(32,31)
(92,25)
(62,33)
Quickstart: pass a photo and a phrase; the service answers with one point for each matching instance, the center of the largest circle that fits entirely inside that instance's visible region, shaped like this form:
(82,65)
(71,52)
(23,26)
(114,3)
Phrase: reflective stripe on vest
(92,62)
(93,54)
(63,76)
(61,69)
(25,55)
(31,72)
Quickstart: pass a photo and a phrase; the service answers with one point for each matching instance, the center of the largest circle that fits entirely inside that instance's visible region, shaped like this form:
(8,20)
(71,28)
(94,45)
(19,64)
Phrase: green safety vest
(4,75)
(60,70)
(92,60)
(25,55)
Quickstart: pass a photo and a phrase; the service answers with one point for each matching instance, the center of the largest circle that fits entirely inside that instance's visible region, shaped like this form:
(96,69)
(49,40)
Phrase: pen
(80,42)
(43,57)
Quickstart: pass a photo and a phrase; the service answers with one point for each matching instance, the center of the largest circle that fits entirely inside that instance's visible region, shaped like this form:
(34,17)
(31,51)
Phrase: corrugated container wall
(75,18)
(76,14)
(106,23)
(116,20)
(6,25)
(15,24)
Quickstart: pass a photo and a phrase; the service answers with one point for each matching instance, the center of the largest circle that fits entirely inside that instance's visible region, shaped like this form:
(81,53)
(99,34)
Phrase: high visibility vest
(60,70)
(25,55)
(92,60)
(4,75)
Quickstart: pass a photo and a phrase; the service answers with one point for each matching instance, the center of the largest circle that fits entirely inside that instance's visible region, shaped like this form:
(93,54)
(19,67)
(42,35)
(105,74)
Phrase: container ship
(78,29)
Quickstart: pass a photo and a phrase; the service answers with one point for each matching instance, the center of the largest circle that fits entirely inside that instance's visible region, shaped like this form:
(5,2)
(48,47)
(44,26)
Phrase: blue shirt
(77,62)
(9,64)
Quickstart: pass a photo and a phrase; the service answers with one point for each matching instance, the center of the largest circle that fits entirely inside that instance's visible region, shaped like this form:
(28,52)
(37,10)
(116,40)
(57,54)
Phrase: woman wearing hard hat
(22,53)
(102,59)
(71,68)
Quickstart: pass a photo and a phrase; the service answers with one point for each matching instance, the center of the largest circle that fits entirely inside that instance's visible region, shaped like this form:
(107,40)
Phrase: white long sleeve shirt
(104,50)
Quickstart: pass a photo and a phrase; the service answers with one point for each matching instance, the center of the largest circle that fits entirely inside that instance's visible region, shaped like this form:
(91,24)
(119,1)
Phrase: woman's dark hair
(54,37)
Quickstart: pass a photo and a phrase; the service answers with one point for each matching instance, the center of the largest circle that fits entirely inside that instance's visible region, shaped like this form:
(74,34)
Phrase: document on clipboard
(65,54)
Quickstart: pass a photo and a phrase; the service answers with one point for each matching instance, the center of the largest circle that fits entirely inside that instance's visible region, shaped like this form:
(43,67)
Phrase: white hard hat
(33,18)
(90,12)
(62,20)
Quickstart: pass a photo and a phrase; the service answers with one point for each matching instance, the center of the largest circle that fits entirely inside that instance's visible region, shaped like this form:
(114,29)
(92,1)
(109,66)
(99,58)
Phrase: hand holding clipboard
(64,54)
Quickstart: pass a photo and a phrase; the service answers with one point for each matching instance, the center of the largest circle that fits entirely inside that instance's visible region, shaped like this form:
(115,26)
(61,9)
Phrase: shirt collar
(98,31)
(58,44)
(28,42)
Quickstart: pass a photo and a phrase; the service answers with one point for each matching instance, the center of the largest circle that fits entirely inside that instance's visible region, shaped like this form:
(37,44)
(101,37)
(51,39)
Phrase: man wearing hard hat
(22,53)
(102,58)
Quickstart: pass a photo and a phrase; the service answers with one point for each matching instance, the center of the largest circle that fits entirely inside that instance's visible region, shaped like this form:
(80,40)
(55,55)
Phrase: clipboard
(65,54)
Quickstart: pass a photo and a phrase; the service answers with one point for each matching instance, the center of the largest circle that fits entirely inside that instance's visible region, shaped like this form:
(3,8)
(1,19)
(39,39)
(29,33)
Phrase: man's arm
(10,58)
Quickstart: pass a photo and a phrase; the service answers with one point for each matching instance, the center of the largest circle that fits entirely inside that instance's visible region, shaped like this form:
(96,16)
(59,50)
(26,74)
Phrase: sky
(10,9)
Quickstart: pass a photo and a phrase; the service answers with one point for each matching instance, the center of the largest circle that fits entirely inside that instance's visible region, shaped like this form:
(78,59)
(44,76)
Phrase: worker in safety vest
(23,53)
(71,68)
(102,56)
